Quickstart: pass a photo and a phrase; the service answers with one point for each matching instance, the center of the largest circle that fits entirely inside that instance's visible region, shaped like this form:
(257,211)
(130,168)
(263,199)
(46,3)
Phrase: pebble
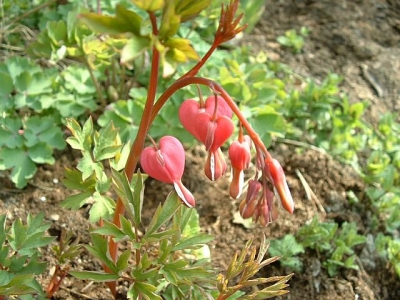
(55,217)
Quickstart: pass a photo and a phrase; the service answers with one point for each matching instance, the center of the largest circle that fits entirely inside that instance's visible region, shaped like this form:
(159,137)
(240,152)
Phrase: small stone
(55,217)
(55,180)
(43,199)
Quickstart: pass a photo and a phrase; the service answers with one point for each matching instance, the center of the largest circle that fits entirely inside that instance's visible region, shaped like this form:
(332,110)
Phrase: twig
(309,192)
(301,144)
(87,287)
(75,293)
(372,81)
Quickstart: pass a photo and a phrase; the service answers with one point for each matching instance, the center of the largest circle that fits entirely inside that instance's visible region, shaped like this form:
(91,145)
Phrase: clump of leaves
(337,244)
(20,260)
(244,266)
(289,249)
(294,40)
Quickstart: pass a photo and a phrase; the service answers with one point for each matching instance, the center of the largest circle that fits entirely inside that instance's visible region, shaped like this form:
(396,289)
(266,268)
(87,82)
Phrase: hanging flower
(240,156)
(166,163)
(279,181)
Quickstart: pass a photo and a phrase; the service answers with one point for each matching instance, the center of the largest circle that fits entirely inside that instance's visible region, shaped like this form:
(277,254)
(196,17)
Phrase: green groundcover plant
(166,258)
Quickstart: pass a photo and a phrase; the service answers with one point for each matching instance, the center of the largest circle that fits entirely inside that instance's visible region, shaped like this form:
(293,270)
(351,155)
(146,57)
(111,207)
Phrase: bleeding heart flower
(240,156)
(279,181)
(215,165)
(190,108)
(166,163)
(213,133)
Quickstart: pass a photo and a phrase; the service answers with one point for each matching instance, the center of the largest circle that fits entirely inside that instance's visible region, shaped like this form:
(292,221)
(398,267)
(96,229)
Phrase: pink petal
(213,133)
(279,179)
(167,163)
(223,108)
(174,156)
(187,115)
(152,166)
(239,154)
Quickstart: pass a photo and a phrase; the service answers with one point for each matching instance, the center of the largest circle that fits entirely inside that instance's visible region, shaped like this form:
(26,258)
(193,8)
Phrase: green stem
(96,83)
(180,83)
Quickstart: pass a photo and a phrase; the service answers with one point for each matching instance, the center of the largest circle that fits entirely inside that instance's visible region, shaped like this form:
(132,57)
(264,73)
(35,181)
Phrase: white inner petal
(181,195)
(241,183)
(212,166)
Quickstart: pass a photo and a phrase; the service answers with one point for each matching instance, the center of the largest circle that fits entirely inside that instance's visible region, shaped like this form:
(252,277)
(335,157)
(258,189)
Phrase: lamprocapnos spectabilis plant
(169,272)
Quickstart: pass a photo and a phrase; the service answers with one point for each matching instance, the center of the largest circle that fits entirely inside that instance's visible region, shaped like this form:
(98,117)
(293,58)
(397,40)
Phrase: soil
(358,39)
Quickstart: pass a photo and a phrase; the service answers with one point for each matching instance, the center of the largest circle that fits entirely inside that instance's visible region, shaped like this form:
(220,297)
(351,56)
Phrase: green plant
(169,271)
(20,256)
(336,244)
(294,40)
(288,248)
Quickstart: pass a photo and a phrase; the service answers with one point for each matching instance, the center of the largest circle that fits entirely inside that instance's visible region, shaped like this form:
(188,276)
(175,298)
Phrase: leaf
(103,207)
(135,47)
(122,262)
(106,143)
(124,21)
(164,213)
(193,241)
(110,229)
(57,31)
(147,290)
(124,191)
(138,196)
(104,24)
(73,180)
(86,165)
(100,251)
(43,129)
(188,9)
(94,276)
(82,137)
(9,133)
(23,168)
(150,6)
(76,201)
(41,153)
(2,232)
(129,17)
(7,85)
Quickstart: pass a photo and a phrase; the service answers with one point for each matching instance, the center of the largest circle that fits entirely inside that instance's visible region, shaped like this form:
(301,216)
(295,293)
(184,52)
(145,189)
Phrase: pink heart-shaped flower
(167,163)
(191,108)
(213,133)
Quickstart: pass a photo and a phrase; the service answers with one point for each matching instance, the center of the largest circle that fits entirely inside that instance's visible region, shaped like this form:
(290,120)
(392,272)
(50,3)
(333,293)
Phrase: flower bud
(247,209)
(239,154)
(167,164)
(252,191)
(279,181)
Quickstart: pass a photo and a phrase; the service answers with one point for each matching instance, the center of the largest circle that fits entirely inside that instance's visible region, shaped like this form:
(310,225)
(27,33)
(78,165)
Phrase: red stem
(138,144)
(193,72)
